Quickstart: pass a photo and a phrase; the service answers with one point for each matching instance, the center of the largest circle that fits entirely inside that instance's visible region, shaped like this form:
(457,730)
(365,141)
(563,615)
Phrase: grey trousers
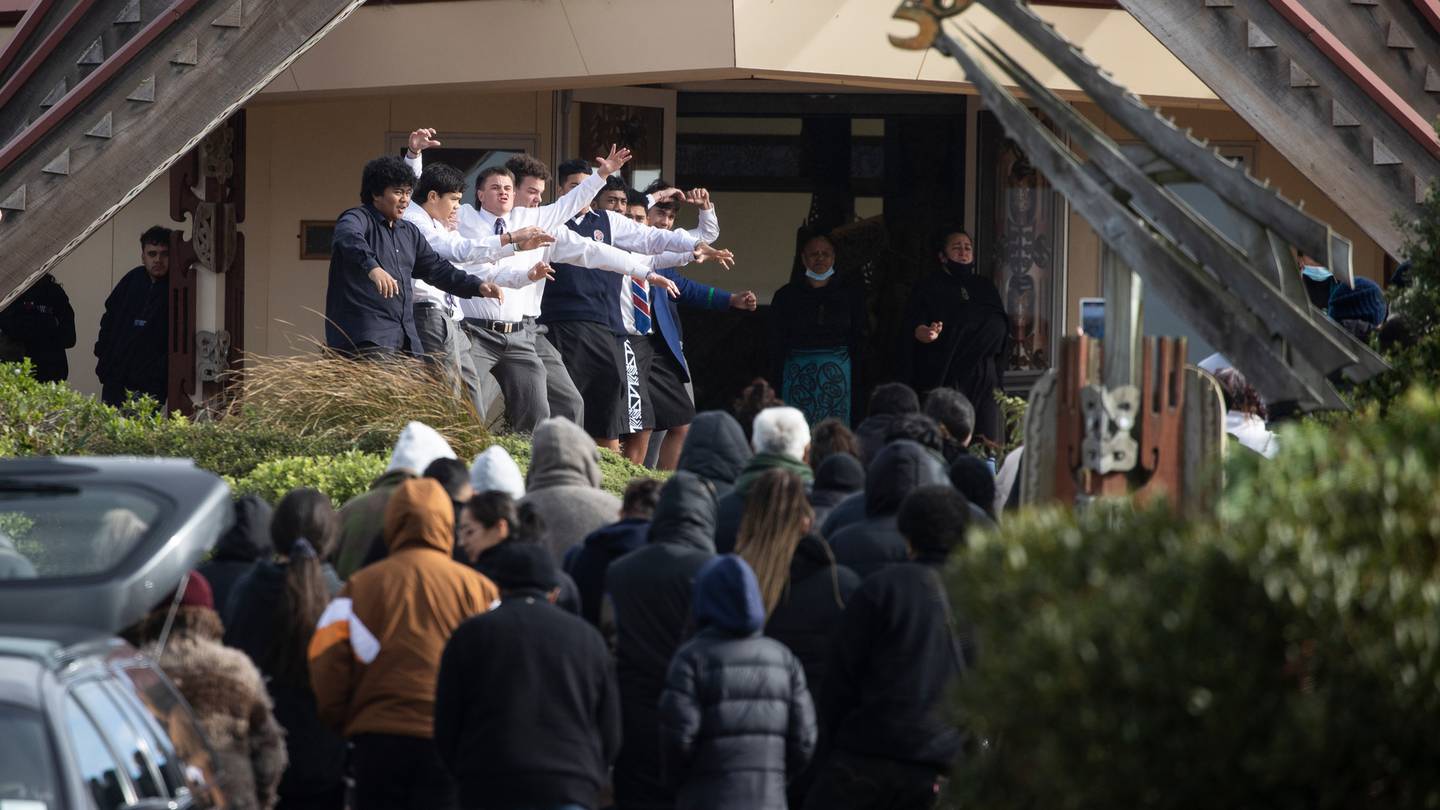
(447,345)
(532,378)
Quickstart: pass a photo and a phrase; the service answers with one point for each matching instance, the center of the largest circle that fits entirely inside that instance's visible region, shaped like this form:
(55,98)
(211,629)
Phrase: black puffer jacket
(736,716)
(836,478)
(715,449)
(650,591)
(236,552)
(875,542)
(806,617)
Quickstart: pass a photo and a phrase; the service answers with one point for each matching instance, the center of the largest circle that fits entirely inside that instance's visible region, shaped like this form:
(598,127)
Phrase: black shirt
(133,347)
(41,323)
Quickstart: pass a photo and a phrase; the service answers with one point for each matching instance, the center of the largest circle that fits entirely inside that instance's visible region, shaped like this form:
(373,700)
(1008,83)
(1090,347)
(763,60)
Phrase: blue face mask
(820,276)
(1316,273)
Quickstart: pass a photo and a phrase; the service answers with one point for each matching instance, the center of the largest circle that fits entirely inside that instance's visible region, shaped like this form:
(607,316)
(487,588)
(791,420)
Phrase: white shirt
(1251,432)
(453,248)
(708,229)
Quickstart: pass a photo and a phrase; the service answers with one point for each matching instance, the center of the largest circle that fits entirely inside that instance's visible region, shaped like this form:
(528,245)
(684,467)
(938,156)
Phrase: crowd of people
(471,636)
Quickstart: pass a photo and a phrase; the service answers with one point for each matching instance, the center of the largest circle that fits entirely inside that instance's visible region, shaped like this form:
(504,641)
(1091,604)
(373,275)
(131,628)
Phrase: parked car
(87,548)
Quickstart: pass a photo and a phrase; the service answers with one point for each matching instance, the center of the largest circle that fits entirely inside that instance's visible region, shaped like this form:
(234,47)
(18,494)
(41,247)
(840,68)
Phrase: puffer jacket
(228,696)
(650,590)
(735,716)
(375,655)
(715,449)
(563,486)
(875,542)
(237,550)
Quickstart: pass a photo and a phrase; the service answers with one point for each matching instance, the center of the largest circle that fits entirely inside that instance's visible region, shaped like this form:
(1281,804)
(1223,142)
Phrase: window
(157,746)
(27,762)
(66,531)
(126,742)
(98,768)
(169,714)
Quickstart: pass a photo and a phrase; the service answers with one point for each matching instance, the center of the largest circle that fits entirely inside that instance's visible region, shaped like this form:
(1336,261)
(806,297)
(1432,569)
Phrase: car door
(172,721)
(137,775)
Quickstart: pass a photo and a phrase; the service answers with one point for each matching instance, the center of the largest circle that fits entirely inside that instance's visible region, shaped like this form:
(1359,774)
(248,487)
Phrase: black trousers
(400,773)
(853,782)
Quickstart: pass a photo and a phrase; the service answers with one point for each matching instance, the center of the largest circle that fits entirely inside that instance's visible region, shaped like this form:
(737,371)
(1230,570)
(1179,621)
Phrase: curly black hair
(382,173)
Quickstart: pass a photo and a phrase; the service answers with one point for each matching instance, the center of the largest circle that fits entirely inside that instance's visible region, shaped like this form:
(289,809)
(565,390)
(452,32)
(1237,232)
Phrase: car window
(177,724)
(125,740)
(27,760)
(159,749)
(52,531)
(98,768)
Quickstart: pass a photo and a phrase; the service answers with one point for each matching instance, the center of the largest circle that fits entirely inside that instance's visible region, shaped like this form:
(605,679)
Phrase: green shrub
(1285,654)
(48,418)
(342,476)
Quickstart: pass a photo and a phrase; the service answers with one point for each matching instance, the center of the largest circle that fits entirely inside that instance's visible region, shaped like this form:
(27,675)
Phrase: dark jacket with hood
(650,591)
(715,449)
(563,486)
(736,716)
(317,754)
(526,710)
(871,435)
(134,335)
(895,656)
(875,542)
(237,551)
(808,612)
(732,506)
(494,557)
(836,478)
(41,323)
(590,561)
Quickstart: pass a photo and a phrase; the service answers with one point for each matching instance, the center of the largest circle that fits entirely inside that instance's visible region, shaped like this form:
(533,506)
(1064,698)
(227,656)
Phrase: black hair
(660,184)
(633,197)
(524,165)
(831,437)
(491,507)
(642,495)
(943,235)
(918,428)
(756,397)
(452,475)
(303,514)
(1239,395)
(155,235)
(894,398)
(812,237)
(953,411)
(933,519)
(569,167)
(441,179)
(973,478)
(382,173)
(491,171)
(614,183)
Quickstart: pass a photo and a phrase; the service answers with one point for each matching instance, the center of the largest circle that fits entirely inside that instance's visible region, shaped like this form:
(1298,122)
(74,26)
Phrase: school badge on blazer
(599,235)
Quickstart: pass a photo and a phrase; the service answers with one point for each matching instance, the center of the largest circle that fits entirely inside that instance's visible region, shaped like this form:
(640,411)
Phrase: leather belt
(503,327)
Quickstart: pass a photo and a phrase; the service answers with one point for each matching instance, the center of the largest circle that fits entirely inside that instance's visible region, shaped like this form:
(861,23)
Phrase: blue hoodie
(727,597)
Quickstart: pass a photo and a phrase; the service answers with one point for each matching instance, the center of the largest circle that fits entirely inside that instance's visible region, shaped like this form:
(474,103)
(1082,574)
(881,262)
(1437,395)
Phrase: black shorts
(592,356)
(638,356)
(672,405)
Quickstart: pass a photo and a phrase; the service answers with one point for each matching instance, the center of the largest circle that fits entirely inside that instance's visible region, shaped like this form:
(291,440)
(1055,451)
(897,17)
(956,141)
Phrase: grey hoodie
(564,486)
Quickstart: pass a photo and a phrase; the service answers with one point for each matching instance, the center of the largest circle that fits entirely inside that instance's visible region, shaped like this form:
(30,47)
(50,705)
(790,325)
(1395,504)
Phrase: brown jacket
(375,655)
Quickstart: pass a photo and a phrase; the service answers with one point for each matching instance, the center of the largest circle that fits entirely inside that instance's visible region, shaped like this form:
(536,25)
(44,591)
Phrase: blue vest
(583,293)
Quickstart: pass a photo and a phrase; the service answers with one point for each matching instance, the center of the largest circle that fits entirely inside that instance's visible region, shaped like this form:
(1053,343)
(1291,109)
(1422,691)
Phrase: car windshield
(52,531)
(27,764)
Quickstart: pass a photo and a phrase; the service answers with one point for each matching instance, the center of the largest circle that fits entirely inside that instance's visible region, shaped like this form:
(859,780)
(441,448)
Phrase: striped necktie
(640,299)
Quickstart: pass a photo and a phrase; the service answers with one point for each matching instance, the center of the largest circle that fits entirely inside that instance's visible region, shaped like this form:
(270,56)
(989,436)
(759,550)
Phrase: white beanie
(418,445)
(494,469)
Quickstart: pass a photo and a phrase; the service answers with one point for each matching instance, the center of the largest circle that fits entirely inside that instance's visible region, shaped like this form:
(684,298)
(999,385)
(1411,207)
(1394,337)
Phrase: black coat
(42,323)
(715,449)
(317,754)
(805,317)
(569,600)
(650,590)
(809,612)
(133,346)
(895,657)
(875,542)
(871,435)
(237,550)
(593,557)
(837,477)
(526,710)
(736,716)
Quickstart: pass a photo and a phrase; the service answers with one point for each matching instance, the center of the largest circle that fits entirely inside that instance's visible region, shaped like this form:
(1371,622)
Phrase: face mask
(1316,273)
(820,276)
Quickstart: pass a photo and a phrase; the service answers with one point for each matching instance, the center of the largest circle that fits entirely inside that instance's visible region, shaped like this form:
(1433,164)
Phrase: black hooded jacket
(650,590)
(715,449)
(132,348)
(875,542)
(895,656)
(238,549)
(42,323)
(592,559)
(807,614)
(837,477)
(736,717)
